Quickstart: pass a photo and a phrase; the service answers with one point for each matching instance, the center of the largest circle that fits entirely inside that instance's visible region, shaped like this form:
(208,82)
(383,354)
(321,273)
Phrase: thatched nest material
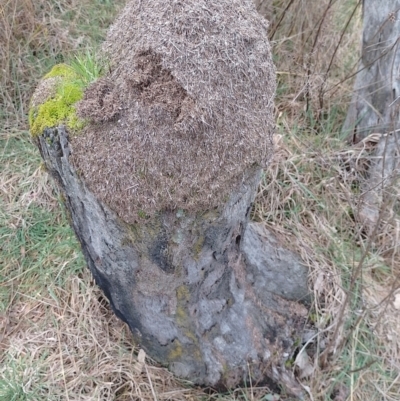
(194,82)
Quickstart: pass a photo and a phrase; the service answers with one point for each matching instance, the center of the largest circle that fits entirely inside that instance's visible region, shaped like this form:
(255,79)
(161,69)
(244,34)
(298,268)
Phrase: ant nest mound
(188,107)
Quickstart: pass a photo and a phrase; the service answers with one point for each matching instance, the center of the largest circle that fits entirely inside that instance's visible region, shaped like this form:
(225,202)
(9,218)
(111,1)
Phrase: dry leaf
(305,367)
(141,356)
(138,366)
(396,302)
(319,282)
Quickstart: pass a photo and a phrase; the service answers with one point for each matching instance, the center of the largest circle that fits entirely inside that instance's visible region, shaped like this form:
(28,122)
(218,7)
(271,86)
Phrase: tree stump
(374,108)
(209,294)
(159,183)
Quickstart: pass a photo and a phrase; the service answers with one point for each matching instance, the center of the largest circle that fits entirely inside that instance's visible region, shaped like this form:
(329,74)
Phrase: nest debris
(189,97)
(100,102)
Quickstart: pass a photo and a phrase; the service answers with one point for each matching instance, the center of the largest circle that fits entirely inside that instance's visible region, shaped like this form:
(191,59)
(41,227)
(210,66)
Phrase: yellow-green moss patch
(61,70)
(57,106)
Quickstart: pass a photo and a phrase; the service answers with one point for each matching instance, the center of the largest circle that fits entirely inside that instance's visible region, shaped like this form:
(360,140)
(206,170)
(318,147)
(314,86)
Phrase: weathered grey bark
(376,101)
(211,295)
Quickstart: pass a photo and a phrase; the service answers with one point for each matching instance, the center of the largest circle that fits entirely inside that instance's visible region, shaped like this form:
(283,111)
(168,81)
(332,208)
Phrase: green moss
(70,92)
(59,109)
(61,70)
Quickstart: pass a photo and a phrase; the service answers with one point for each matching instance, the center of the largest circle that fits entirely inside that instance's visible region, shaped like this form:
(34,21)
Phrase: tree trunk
(376,100)
(211,295)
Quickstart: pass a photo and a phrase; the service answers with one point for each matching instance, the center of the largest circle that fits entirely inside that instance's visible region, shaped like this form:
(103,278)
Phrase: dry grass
(311,198)
(58,339)
(317,50)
